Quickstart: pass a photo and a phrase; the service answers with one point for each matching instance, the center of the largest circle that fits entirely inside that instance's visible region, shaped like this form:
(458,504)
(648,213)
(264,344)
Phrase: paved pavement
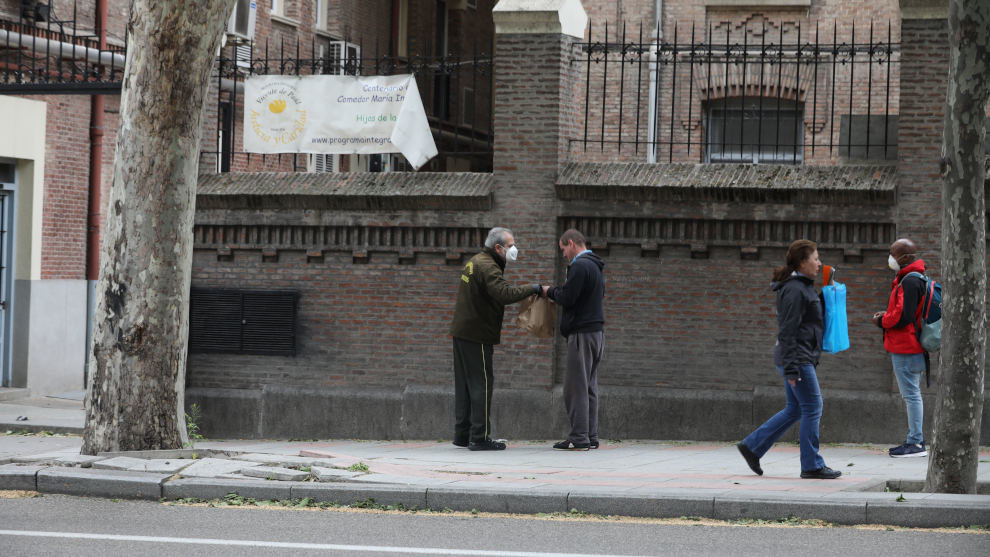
(635,478)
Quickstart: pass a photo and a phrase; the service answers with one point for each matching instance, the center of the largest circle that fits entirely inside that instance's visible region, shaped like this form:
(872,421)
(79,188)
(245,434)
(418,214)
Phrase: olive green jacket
(482,297)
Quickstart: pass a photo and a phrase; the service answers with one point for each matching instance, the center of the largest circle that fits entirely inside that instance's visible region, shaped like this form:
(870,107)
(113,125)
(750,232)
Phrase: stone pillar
(924,80)
(535,112)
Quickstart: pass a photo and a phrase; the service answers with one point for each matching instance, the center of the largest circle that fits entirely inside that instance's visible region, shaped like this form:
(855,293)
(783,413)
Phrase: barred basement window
(767,130)
(226,321)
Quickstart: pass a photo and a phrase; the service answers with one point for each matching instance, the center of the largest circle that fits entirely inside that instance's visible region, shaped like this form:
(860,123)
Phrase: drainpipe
(63,49)
(651,153)
(95,193)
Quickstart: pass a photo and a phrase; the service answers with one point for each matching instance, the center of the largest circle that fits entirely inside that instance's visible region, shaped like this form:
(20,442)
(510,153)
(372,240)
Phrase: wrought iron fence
(761,94)
(43,54)
(456,91)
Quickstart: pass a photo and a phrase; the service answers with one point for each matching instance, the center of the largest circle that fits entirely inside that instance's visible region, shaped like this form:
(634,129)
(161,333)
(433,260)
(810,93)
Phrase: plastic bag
(836,337)
(537,315)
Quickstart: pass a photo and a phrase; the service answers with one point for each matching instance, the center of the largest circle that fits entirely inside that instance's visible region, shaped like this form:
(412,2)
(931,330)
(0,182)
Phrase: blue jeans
(909,369)
(804,403)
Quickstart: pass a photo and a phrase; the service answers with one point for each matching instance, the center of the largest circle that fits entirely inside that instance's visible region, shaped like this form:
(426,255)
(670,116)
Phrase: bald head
(904,251)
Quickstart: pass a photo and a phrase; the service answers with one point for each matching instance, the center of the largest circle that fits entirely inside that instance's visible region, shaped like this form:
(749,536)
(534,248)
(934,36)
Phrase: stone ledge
(873,184)
(924,9)
(540,17)
(362,191)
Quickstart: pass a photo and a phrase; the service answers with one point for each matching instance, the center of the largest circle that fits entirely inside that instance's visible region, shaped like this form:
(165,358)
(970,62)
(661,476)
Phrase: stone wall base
(419,412)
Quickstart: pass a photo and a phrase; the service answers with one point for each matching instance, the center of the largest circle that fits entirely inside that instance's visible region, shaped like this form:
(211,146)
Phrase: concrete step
(13,393)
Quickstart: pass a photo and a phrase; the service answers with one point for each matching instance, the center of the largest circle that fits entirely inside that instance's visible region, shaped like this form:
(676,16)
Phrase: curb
(912,510)
(38,428)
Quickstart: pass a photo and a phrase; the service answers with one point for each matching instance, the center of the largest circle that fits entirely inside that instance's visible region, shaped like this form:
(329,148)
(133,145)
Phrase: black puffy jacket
(800,324)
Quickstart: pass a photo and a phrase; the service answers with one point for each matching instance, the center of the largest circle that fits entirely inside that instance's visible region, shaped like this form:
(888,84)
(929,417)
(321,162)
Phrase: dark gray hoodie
(800,324)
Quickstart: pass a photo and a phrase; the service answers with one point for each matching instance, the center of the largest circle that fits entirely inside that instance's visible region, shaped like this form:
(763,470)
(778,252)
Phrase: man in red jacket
(900,338)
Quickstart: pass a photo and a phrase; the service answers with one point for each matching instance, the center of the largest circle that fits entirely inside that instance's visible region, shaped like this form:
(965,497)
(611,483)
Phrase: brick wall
(919,206)
(65,210)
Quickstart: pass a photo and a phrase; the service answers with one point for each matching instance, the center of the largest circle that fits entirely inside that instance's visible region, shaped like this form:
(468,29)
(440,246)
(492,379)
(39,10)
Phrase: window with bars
(755,130)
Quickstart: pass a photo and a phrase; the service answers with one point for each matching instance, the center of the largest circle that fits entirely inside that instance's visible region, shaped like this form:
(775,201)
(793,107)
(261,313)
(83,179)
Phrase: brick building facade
(374,258)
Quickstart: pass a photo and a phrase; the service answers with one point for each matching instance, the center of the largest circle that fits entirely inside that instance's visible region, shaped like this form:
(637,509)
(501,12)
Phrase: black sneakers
(908,450)
(594,444)
(460,443)
(487,445)
(568,446)
(751,459)
(823,473)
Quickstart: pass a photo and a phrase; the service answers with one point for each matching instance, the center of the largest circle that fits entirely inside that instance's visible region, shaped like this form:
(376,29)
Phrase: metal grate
(242,321)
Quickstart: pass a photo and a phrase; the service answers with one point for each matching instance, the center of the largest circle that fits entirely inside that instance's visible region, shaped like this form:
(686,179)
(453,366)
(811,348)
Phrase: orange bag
(537,315)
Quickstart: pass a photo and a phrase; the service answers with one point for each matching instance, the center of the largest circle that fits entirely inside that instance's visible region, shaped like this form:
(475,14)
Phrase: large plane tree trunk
(137,362)
(959,406)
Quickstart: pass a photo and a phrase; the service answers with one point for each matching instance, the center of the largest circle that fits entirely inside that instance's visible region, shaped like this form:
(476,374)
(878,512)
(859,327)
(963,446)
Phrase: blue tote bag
(836,327)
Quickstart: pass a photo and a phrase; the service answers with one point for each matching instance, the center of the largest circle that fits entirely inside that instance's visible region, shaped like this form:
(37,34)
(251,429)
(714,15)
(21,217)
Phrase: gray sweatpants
(584,353)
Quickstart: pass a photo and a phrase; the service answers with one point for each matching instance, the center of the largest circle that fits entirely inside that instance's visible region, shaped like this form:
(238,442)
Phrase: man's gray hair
(497,236)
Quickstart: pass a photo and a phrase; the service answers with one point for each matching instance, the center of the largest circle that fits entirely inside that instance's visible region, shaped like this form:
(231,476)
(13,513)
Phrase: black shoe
(751,459)
(908,450)
(568,446)
(594,445)
(823,473)
(460,443)
(488,445)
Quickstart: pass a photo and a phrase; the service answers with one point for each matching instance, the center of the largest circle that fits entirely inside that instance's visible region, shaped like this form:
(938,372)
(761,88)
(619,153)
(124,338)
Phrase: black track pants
(473,377)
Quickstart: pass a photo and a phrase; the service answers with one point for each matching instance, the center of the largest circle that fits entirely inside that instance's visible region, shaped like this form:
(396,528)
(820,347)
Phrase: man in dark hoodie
(900,338)
(582,324)
(477,327)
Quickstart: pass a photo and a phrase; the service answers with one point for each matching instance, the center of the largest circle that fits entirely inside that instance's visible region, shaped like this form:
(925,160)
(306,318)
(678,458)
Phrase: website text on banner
(337,114)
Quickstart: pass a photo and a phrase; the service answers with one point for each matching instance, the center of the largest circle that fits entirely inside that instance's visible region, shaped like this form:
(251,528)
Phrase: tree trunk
(959,407)
(137,362)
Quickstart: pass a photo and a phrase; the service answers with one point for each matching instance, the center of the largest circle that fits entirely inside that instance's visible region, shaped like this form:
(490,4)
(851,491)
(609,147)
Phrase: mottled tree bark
(135,396)
(959,406)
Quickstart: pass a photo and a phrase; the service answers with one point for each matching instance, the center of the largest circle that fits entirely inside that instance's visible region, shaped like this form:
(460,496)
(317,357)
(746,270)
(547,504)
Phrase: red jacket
(898,323)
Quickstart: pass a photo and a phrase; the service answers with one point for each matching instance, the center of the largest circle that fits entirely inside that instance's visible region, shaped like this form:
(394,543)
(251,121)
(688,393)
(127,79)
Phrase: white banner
(336,114)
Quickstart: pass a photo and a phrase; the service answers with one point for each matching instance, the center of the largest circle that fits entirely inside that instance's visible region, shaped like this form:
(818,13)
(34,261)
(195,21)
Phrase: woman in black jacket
(800,326)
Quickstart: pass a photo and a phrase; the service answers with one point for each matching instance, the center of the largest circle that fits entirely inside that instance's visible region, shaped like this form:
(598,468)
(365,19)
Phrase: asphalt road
(64,525)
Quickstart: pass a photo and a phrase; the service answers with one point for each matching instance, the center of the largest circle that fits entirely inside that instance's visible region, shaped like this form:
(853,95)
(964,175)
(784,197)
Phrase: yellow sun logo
(277,106)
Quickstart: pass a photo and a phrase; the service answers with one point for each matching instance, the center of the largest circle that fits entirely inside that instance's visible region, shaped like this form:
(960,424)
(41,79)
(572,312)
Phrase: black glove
(537,289)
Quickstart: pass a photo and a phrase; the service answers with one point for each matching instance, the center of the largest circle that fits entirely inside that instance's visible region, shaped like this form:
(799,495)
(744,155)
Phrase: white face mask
(892,263)
(511,254)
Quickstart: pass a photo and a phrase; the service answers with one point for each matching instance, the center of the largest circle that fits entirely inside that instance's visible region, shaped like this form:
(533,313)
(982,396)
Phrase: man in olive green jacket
(477,327)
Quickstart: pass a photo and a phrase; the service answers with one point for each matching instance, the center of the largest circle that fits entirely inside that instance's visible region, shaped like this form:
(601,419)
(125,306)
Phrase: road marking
(291,545)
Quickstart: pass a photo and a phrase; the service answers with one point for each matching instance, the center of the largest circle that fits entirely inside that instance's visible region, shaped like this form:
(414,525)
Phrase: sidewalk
(634,478)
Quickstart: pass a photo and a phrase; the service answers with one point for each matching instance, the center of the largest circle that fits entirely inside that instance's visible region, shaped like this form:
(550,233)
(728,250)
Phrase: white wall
(49,316)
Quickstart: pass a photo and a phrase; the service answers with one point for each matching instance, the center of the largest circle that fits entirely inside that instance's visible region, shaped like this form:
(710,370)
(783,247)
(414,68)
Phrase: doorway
(7,181)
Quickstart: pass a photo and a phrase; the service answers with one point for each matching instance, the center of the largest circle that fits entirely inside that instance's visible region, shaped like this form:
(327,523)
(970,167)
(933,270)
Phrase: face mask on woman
(893,264)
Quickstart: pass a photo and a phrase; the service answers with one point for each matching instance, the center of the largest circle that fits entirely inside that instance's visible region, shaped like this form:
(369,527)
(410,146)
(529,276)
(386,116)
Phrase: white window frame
(321,14)
(278,8)
(322,163)
(344,52)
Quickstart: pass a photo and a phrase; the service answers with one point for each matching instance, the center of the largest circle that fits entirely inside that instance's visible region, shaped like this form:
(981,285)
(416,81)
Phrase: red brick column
(924,79)
(535,113)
